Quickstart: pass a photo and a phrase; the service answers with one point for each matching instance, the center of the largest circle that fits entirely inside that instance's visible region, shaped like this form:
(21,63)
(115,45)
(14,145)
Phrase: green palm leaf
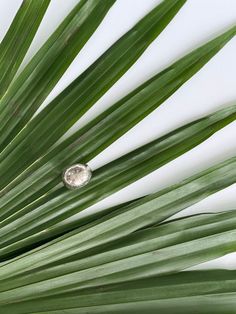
(126,112)
(88,142)
(55,208)
(218,304)
(55,256)
(121,222)
(155,251)
(139,242)
(89,86)
(39,77)
(201,291)
(15,44)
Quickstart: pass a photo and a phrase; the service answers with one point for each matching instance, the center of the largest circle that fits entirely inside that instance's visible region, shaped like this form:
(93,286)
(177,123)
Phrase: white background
(213,87)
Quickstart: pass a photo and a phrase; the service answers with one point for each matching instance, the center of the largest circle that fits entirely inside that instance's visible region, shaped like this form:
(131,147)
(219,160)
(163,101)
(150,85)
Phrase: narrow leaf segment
(18,38)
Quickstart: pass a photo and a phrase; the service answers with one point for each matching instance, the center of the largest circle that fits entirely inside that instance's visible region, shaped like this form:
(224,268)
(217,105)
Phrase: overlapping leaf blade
(217,304)
(43,220)
(84,145)
(148,210)
(39,77)
(90,85)
(139,242)
(156,251)
(95,261)
(16,42)
(204,291)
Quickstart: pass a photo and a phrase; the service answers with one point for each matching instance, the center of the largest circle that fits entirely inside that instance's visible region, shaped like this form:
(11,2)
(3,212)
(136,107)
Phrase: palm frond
(56,257)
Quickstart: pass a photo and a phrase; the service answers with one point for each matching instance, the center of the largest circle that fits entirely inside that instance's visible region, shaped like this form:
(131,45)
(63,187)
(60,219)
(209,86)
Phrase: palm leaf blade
(206,291)
(156,90)
(78,97)
(39,77)
(18,39)
(55,256)
(96,80)
(62,204)
(208,237)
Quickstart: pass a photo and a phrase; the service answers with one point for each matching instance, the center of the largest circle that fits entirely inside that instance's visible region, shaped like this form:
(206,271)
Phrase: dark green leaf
(201,292)
(160,250)
(88,142)
(118,173)
(16,42)
(36,223)
(76,99)
(39,77)
(38,179)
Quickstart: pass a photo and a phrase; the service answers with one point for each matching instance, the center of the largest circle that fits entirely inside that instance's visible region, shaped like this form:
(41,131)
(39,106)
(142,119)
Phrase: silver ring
(76,176)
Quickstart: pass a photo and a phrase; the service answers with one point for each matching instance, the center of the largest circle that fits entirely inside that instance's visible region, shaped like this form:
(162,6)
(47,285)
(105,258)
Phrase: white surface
(212,87)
